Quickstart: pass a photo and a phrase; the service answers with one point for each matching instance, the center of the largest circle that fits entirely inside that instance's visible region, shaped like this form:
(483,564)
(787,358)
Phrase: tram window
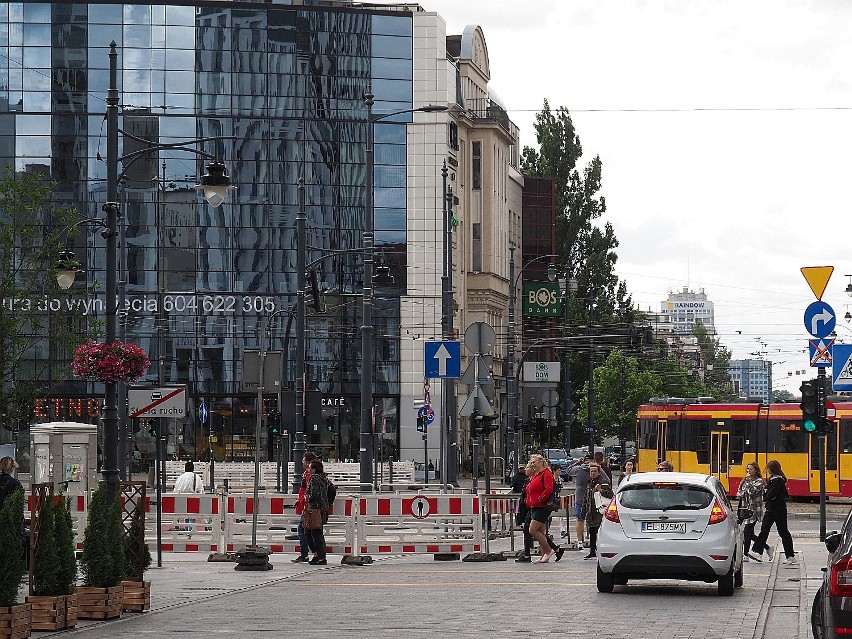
(736,450)
(702,450)
(846,436)
(793,441)
(673,434)
(744,429)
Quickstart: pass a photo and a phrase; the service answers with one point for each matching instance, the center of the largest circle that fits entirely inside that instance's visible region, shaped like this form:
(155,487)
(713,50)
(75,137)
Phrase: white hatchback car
(670,526)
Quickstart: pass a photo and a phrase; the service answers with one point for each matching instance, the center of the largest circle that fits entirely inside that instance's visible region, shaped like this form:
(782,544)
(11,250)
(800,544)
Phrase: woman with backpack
(316,497)
(775,512)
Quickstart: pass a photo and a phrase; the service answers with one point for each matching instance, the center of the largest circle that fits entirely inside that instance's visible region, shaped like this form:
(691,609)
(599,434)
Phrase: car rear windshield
(665,497)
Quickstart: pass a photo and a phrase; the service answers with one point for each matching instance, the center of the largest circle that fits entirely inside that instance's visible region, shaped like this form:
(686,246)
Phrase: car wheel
(816,616)
(726,583)
(738,578)
(606,582)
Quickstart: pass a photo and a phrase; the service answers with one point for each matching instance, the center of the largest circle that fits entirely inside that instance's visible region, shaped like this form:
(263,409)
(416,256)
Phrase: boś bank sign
(542,299)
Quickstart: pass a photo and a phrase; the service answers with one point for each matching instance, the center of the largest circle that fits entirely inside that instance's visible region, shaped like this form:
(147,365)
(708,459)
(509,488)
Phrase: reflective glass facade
(277,92)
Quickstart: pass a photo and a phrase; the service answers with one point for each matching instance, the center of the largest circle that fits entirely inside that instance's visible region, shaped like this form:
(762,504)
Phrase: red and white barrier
(190,523)
(418,524)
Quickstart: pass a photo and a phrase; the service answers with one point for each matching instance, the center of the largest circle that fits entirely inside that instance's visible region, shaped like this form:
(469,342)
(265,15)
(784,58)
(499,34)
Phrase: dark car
(831,615)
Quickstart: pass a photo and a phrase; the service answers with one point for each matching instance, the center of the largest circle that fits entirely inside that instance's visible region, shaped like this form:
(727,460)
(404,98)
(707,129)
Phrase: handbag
(553,503)
(312,519)
(601,502)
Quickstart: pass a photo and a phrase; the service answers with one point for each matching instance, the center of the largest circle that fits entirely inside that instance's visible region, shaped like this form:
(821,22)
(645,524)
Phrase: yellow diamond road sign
(817,277)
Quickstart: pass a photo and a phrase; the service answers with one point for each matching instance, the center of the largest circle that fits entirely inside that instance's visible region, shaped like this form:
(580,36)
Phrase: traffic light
(329,424)
(273,423)
(484,424)
(810,405)
(153,430)
(421,424)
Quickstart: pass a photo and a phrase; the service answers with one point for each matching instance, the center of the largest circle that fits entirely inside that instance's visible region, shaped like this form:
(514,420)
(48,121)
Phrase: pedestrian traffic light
(273,423)
(809,405)
(329,424)
(153,430)
(421,425)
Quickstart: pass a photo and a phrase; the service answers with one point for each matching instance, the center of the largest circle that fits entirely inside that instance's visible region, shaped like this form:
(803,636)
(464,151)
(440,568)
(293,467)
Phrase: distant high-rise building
(752,378)
(686,308)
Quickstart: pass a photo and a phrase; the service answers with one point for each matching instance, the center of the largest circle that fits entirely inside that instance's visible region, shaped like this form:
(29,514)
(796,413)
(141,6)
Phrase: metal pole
(821,440)
(109,470)
(567,403)
(449,385)
(447,332)
(257,430)
(591,397)
(425,455)
(299,428)
(365,443)
(157,462)
(511,374)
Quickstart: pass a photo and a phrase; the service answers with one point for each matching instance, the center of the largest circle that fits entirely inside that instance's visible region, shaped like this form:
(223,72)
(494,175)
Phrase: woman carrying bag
(750,494)
(598,484)
(538,493)
(775,504)
(316,511)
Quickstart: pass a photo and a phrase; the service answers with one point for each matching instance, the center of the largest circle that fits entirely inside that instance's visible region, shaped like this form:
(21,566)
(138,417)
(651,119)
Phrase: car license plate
(664,526)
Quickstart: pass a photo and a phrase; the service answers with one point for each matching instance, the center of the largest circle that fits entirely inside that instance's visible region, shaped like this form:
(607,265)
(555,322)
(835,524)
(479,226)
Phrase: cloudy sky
(725,132)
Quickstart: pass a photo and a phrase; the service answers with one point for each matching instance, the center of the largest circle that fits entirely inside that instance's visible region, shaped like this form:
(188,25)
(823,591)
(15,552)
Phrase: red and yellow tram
(704,436)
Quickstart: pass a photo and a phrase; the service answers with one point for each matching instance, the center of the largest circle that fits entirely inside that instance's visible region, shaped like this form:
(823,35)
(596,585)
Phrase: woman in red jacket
(539,489)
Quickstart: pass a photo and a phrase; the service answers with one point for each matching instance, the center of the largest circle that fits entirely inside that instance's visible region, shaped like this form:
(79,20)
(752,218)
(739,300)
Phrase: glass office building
(277,93)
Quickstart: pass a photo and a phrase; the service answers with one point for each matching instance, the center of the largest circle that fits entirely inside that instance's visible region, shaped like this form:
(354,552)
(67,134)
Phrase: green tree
(47,567)
(781,395)
(12,562)
(32,337)
(621,386)
(66,549)
(715,360)
(102,561)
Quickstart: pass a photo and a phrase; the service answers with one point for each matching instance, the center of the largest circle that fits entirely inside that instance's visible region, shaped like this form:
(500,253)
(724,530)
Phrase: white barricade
(191,523)
(277,524)
(418,524)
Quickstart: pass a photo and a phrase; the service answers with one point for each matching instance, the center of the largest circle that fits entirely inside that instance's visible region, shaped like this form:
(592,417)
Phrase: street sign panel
(841,370)
(427,413)
(817,278)
(480,337)
(203,414)
(156,402)
(442,359)
(541,371)
(819,319)
(820,351)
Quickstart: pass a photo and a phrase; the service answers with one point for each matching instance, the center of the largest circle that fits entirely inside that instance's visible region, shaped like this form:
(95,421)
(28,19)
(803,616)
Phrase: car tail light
(841,578)
(718,513)
(843,631)
(611,512)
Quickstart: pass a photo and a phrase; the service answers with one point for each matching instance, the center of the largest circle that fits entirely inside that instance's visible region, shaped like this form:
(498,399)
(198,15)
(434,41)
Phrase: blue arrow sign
(841,369)
(442,359)
(427,413)
(819,319)
(202,413)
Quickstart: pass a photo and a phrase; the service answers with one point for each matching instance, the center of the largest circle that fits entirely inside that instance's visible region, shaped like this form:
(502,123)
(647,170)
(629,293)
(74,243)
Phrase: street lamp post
(365,439)
(216,185)
(511,373)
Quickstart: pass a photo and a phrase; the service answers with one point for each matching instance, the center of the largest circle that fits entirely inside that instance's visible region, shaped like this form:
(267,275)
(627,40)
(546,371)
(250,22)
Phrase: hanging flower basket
(115,362)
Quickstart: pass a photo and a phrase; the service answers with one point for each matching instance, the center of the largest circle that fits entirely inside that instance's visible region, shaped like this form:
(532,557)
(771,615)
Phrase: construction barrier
(277,524)
(418,524)
(190,523)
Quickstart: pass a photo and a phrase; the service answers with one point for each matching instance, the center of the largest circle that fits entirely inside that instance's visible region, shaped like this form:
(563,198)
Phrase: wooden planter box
(71,610)
(99,603)
(15,621)
(137,596)
(48,612)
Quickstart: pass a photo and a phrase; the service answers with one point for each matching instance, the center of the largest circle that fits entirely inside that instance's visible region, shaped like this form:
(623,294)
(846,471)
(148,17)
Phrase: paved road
(414,596)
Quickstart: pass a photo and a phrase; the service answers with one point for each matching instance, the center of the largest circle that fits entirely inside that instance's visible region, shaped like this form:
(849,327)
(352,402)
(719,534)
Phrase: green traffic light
(809,425)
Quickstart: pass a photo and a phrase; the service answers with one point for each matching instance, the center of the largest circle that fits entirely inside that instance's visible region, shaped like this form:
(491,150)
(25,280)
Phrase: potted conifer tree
(14,617)
(102,561)
(53,604)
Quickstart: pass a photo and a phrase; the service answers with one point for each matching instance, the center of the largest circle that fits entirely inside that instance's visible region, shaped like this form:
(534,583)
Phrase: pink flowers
(116,362)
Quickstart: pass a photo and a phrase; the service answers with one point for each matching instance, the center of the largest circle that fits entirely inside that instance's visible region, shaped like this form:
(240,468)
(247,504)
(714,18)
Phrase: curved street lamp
(365,439)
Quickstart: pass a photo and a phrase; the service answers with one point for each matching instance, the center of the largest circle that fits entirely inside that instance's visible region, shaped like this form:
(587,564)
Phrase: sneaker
(770,553)
(754,558)
(300,559)
(790,561)
(523,559)
(591,555)
(316,561)
(559,552)
(544,558)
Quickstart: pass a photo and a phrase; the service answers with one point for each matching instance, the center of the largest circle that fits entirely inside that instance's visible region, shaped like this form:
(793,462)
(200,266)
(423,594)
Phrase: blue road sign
(841,369)
(820,351)
(427,413)
(442,359)
(819,319)
(202,413)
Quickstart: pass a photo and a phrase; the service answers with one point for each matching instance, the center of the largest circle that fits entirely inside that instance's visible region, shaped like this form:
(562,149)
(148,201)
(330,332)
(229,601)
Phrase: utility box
(65,452)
